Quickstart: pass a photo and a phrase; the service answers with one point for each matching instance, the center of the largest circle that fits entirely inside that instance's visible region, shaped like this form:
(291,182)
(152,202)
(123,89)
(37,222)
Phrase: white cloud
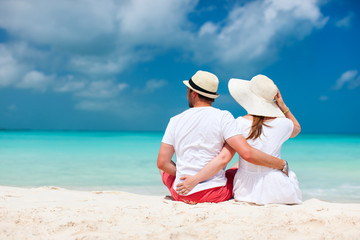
(156,22)
(10,69)
(122,86)
(101,89)
(35,80)
(323,98)
(61,24)
(100,65)
(208,28)
(71,46)
(349,78)
(346,21)
(155,84)
(12,107)
(252,34)
(94,65)
(354,84)
(106,37)
(19,63)
(151,86)
(92,105)
(68,84)
(92,37)
(83,25)
(307,10)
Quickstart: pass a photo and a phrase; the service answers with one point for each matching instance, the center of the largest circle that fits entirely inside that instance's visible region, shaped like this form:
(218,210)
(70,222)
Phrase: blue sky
(119,65)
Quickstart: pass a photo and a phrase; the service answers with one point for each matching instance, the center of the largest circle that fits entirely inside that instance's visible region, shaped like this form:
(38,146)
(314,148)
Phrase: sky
(119,65)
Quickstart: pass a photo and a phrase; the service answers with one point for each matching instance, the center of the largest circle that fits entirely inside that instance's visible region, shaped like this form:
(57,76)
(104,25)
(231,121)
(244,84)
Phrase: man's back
(198,135)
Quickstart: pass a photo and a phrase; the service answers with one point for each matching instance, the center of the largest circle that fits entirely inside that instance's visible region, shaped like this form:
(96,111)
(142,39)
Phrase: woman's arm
(210,169)
(253,155)
(288,114)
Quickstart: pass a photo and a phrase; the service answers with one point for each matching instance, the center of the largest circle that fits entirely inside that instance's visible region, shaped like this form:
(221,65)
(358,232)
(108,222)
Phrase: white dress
(263,185)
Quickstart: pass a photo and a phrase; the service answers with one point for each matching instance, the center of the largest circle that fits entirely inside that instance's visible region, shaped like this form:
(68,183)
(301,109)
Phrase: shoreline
(161,190)
(57,213)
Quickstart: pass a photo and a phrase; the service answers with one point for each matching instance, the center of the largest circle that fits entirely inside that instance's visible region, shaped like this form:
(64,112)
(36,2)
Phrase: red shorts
(215,195)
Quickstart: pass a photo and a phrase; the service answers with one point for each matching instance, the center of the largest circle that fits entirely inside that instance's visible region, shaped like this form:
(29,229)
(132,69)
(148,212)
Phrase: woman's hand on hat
(187,184)
(280,102)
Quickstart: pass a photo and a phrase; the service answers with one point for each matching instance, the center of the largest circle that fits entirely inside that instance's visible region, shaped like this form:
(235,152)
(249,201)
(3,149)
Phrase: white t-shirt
(198,135)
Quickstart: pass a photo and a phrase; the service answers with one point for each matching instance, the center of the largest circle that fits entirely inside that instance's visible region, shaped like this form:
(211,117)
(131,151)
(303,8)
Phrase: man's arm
(252,155)
(210,169)
(164,161)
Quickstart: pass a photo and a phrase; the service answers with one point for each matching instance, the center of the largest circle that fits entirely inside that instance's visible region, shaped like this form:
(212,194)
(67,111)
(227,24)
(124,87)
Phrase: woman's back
(260,184)
(274,134)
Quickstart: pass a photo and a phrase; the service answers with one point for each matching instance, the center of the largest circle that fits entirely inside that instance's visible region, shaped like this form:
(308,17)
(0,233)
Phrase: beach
(57,213)
(106,188)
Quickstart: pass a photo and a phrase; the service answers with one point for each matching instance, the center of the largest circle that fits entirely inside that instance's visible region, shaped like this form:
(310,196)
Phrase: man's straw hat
(256,96)
(204,83)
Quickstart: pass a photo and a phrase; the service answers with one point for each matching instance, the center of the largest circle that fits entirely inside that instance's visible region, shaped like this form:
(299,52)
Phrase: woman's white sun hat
(256,95)
(204,83)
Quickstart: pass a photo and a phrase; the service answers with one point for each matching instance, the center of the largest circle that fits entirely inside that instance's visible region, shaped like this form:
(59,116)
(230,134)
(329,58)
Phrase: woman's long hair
(256,127)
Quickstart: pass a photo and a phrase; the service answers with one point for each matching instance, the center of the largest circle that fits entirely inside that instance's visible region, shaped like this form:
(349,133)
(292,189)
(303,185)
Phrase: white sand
(53,213)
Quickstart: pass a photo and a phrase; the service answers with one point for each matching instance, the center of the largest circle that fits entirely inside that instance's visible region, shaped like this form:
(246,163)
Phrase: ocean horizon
(327,165)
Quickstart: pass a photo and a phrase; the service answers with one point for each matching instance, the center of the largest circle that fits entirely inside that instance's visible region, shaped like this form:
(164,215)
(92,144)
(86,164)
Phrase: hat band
(196,87)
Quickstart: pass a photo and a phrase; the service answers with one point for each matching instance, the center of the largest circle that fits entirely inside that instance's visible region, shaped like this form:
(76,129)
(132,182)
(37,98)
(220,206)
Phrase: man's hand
(189,182)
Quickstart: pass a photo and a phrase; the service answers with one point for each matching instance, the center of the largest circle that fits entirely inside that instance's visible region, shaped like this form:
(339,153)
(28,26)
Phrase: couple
(205,139)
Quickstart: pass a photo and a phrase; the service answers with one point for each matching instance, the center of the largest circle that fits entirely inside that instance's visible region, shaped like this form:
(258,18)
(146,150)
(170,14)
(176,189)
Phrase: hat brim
(186,82)
(254,105)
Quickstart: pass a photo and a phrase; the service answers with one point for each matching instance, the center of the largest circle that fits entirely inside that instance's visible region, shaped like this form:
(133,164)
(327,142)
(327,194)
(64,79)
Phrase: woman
(268,124)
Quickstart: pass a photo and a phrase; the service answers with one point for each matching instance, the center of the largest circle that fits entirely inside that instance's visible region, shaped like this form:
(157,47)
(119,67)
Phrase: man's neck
(202,104)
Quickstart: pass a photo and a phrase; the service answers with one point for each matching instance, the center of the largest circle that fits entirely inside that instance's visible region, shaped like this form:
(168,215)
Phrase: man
(197,137)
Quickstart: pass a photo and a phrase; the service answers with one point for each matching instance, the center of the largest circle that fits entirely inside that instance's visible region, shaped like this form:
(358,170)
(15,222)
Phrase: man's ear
(194,94)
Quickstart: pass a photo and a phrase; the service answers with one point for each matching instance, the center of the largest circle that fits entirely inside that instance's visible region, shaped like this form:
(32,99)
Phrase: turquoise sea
(327,166)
